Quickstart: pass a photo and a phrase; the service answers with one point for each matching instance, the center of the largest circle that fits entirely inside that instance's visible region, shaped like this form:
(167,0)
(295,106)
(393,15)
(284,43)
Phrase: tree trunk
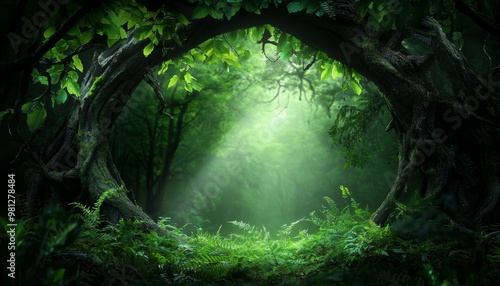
(156,199)
(80,156)
(451,141)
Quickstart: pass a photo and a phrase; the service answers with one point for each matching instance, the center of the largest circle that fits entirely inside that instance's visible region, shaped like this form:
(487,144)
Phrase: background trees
(259,120)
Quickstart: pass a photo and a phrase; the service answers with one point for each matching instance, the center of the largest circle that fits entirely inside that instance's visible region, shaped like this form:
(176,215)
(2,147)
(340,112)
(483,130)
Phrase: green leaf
(345,85)
(123,33)
(173,81)
(282,42)
(335,71)
(111,42)
(36,118)
(61,96)
(72,87)
(73,76)
(198,56)
(216,14)
(74,31)
(196,86)
(142,32)
(77,62)
(207,47)
(112,31)
(55,72)
(188,60)
(201,11)
(345,191)
(251,6)
(312,6)
(181,19)
(164,67)
(231,59)
(230,11)
(26,108)
(39,78)
(327,71)
(123,17)
(188,87)
(131,22)
(295,6)
(287,52)
(148,49)
(245,54)
(49,32)
(356,87)
(256,33)
(113,17)
(86,36)
(188,78)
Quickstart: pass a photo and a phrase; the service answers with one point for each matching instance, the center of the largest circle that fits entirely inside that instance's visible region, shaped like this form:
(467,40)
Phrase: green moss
(95,85)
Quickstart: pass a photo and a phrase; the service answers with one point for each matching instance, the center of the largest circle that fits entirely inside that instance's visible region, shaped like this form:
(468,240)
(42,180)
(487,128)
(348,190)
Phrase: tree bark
(81,152)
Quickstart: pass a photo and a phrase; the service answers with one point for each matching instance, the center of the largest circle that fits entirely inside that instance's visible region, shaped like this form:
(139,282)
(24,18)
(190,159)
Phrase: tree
(444,109)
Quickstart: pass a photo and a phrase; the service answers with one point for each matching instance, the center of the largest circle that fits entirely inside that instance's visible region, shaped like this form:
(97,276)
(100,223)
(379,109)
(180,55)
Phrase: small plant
(38,245)
(91,216)
(347,249)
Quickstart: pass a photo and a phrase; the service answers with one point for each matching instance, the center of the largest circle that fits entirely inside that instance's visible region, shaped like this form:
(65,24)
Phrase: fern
(286,230)
(91,216)
(346,244)
(207,266)
(253,232)
(38,242)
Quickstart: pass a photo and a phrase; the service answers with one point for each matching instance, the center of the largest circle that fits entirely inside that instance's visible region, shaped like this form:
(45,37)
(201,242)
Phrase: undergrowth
(346,249)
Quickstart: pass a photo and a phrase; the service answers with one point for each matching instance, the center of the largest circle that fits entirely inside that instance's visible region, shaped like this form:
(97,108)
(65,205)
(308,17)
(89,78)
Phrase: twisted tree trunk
(80,157)
(451,140)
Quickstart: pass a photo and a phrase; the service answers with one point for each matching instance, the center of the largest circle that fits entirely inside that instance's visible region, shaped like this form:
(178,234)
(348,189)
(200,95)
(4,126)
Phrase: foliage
(91,217)
(346,248)
(41,249)
(353,122)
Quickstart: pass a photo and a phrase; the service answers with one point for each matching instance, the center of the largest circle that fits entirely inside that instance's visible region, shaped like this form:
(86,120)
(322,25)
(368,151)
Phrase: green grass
(346,248)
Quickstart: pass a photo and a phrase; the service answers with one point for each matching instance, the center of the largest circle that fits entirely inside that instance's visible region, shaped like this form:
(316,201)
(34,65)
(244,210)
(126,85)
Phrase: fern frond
(91,216)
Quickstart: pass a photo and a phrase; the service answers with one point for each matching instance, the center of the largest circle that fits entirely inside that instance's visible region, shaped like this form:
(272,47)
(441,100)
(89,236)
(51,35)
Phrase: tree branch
(151,80)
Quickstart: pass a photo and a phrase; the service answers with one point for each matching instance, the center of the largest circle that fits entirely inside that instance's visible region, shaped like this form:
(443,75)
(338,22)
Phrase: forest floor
(347,249)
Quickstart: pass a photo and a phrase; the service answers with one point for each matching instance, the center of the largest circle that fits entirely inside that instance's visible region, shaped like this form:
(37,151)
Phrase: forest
(250,142)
